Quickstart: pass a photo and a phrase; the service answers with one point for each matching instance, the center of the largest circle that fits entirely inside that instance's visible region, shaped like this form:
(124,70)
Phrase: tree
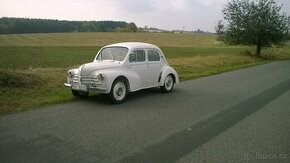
(132,27)
(220,30)
(25,25)
(258,23)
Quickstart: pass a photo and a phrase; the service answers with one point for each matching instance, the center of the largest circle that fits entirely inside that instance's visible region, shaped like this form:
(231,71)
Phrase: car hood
(88,68)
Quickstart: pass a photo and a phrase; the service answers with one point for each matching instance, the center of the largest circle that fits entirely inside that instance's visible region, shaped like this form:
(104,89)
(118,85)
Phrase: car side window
(137,56)
(133,57)
(153,55)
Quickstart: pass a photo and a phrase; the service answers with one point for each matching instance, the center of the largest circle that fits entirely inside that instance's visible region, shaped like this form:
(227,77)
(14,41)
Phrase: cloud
(165,14)
(136,6)
(285,6)
(208,2)
(58,9)
(178,5)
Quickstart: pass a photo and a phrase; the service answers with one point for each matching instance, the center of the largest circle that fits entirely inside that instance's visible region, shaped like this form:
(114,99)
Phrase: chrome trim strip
(97,89)
(89,88)
(67,85)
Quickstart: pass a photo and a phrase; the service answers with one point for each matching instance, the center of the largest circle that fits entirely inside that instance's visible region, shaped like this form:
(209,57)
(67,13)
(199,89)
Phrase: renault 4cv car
(122,68)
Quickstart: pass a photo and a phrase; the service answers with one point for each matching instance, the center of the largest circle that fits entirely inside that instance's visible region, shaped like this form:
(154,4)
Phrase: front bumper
(86,84)
(67,85)
(90,88)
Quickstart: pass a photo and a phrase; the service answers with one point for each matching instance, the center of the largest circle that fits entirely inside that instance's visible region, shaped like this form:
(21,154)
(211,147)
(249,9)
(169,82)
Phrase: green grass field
(98,39)
(33,66)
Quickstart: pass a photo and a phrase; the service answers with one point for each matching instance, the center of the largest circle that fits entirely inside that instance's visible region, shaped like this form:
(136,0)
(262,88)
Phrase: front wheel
(79,93)
(168,84)
(118,91)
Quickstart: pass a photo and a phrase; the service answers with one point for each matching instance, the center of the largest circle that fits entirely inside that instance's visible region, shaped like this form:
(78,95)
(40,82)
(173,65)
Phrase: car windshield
(113,53)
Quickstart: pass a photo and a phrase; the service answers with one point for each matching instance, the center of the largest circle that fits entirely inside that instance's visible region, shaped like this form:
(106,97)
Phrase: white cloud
(207,2)
(58,9)
(165,14)
(178,5)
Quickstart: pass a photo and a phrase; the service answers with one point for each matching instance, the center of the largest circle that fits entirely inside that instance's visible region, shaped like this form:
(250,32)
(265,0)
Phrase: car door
(154,66)
(138,65)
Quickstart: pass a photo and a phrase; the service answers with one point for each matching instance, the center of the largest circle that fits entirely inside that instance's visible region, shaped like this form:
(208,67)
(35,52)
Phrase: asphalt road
(241,115)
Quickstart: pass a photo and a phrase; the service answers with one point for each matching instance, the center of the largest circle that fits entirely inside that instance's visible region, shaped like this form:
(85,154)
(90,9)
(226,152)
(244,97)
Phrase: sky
(163,14)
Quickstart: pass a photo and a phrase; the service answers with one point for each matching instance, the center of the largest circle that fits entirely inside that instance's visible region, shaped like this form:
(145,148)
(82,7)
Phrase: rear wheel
(118,92)
(79,93)
(168,84)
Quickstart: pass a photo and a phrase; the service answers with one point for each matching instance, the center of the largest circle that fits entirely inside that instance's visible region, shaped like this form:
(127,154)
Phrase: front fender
(166,71)
(110,76)
(74,71)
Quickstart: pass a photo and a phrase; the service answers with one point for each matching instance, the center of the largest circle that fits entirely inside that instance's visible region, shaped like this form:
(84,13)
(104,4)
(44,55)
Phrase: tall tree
(220,30)
(258,23)
(132,27)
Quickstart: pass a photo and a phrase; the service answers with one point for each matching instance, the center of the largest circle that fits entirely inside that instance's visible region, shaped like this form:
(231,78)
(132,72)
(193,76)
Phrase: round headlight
(100,77)
(70,74)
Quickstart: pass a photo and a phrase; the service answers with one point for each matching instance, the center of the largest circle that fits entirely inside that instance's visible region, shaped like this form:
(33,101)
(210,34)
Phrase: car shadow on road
(133,96)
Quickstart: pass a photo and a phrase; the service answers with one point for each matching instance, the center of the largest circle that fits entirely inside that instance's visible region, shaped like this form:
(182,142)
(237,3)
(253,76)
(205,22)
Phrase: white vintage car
(122,68)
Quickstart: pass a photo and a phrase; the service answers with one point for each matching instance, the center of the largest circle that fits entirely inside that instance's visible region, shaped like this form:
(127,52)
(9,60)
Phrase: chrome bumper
(97,89)
(90,89)
(67,85)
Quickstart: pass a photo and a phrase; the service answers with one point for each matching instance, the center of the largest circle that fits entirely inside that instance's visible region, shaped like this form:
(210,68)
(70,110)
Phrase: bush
(17,79)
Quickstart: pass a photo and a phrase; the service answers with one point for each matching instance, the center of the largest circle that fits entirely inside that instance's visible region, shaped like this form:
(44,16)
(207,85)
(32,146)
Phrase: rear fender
(168,71)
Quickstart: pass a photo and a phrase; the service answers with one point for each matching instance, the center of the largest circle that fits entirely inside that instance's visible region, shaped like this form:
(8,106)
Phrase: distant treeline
(25,25)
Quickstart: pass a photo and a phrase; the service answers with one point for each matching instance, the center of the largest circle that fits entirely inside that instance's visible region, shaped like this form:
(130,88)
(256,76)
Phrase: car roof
(134,45)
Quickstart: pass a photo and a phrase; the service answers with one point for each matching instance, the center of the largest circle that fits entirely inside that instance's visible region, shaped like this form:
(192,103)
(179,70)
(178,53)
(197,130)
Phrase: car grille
(88,80)
(85,80)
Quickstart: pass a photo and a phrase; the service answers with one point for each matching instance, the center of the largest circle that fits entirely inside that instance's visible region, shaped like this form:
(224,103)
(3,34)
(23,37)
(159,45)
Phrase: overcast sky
(164,14)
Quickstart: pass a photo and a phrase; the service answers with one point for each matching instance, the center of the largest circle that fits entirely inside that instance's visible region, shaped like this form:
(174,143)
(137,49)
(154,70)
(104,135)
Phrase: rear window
(137,56)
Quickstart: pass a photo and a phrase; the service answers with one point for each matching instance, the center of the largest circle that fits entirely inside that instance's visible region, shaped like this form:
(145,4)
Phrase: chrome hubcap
(168,82)
(119,91)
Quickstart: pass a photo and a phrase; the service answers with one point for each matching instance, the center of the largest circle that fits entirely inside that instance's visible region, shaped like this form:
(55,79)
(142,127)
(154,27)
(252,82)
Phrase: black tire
(79,93)
(168,84)
(119,91)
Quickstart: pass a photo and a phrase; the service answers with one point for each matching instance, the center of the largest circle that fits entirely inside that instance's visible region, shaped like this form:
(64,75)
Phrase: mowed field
(98,39)
(33,67)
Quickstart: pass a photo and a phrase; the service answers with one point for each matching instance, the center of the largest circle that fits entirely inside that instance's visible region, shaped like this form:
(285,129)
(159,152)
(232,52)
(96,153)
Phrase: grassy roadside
(33,76)
(16,99)
(47,86)
(23,99)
